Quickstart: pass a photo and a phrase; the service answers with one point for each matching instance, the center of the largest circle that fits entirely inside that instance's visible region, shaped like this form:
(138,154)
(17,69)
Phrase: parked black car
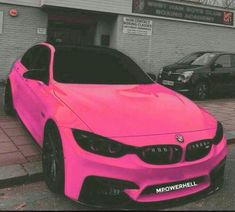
(201,74)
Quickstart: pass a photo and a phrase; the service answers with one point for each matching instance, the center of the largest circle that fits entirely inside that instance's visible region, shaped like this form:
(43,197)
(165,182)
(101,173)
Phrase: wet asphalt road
(36,196)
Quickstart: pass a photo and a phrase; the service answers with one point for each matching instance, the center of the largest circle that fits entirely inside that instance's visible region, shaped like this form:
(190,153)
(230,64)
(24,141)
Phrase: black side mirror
(216,65)
(152,76)
(36,74)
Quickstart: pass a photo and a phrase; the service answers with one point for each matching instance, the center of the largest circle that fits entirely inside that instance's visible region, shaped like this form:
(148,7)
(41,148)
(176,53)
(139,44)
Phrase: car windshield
(96,66)
(204,59)
(189,58)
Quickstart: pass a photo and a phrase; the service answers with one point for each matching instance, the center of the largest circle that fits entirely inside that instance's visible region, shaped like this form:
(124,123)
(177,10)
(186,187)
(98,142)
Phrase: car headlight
(185,76)
(219,134)
(98,145)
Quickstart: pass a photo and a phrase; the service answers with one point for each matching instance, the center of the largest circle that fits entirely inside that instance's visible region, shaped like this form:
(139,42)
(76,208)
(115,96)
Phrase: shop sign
(185,12)
(1,21)
(137,26)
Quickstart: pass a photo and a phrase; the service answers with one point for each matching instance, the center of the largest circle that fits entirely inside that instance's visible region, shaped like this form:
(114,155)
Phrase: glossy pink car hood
(133,110)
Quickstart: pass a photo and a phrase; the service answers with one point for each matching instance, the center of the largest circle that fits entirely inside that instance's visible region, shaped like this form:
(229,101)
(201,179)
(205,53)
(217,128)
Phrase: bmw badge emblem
(180,138)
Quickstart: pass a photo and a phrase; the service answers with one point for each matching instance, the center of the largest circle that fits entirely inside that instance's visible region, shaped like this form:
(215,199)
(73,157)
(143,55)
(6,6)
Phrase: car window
(224,61)
(41,63)
(96,66)
(42,60)
(28,58)
(38,59)
(189,58)
(204,59)
(233,60)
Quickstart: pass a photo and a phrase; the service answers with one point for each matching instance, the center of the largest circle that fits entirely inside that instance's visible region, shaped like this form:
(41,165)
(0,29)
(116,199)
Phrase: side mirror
(36,74)
(216,65)
(152,76)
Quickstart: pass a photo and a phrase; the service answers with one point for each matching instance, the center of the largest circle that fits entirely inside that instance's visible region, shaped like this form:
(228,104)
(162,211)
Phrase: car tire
(201,91)
(8,100)
(53,159)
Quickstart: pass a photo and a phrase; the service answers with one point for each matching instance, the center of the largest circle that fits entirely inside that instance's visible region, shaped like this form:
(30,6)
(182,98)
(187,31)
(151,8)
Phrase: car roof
(88,47)
(108,49)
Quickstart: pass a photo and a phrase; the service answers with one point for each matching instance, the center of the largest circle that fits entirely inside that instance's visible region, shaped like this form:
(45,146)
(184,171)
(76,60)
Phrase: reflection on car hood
(133,110)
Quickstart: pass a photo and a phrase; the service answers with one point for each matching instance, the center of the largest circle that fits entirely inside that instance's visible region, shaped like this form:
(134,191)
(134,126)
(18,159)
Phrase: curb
(20,174)
(230,137)
(31,172)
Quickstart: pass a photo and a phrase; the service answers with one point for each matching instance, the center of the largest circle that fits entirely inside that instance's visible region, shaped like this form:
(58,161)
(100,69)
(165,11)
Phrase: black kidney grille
(198,150)
(162,154)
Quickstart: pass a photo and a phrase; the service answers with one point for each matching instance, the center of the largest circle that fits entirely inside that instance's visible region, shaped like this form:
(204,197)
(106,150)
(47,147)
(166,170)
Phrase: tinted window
(233,60)
(224,61)
(41,63)
(38,59)
(42,60)
(29,57)
(96,66)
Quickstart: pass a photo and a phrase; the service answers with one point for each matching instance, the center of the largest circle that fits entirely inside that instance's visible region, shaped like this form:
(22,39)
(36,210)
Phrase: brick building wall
(19,33)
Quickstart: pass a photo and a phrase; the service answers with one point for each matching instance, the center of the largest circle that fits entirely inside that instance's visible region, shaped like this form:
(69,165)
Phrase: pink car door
(20,89)
(38,98)
(16,82)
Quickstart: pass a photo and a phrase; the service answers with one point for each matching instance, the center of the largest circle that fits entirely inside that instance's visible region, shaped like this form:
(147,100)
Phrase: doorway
(72,28)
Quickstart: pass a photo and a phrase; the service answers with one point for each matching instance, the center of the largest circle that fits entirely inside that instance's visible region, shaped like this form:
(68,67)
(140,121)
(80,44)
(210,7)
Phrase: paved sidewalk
(16,146)
(223,110)
(20,158)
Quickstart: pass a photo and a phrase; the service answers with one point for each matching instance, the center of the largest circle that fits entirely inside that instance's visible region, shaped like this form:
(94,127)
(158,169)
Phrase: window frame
(35,57)
(215,62)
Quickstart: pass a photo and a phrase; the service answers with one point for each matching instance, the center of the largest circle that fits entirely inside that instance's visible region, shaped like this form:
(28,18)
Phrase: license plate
(171,187)
(175,187)
(167,82)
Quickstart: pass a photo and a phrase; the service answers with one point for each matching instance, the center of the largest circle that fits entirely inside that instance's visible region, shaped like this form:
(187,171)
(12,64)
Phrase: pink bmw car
(109,134)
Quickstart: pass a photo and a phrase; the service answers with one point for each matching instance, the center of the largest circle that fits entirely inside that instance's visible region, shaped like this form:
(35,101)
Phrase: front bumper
(98,180)
(105,192)
(179,86)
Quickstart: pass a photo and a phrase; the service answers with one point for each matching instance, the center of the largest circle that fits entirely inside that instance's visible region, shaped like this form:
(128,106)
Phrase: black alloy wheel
(53,160)
(201,91)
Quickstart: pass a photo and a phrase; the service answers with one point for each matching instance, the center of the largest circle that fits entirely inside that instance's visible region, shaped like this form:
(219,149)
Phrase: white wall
(111,6)
(32,3)
(172,40)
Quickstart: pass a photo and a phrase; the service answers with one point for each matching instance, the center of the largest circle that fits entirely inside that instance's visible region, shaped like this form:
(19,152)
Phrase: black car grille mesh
(171,76)
(198,150)
(162,154)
